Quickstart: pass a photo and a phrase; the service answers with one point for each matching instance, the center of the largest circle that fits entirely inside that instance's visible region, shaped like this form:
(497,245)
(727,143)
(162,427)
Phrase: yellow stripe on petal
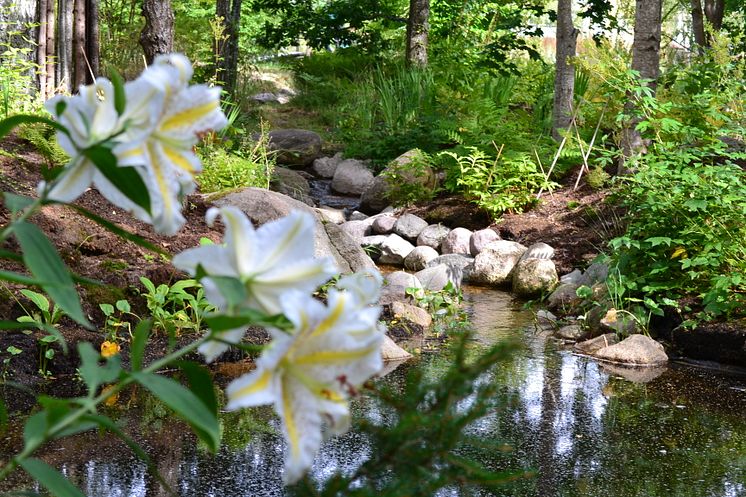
(257,386)
(160,182)
(189,116)
(329,321)
(292,429)
(178,159)
(132,153)
(330,357)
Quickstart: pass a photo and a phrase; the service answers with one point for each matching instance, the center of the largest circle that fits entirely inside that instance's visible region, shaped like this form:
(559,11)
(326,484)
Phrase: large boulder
(331,215)
(532,277)
(295,147)
(348,248)
(383,225)
(402,278)
(356,229)
(374,198)
(351,177)
(459,265)
(435,278)
(480,239)
(262,206)
(457,242)
(590,347)
(635,350)
(538,251)
(418,258)
(394,249)
(564,298)
(596,273)
(412,313)
(390,351)
(409,226)
(494,264)
(291,183)
(433,236)
(326,166)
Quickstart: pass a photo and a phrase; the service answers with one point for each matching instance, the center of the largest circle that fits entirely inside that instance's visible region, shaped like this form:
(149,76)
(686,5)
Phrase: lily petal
(213,348)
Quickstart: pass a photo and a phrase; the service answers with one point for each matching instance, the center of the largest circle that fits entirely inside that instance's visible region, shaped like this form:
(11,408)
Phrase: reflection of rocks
(635,375)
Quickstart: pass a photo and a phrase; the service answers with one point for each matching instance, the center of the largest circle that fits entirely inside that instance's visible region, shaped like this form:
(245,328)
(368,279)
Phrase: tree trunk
(64,45)
(80,74)
(41,47)
(50,42)
(157,37)
(226,50)
(646,61)
(564,79)
(92,38)
(417,30)
(698,25)
(714,11)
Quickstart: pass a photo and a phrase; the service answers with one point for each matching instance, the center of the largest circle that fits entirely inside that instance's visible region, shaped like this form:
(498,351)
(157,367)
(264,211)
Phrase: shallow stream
(583,429)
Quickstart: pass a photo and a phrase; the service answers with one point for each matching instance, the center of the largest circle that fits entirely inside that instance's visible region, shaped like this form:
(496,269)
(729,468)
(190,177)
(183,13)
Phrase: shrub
(224,169)
(412,180)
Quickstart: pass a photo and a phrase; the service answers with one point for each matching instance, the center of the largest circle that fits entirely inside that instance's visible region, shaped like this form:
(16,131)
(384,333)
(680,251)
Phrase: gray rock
(358,216)
(331,215)
(348,248)
(545,317)
(460,266)
(383,225)
(572,277)
(356,229)
(392,293)
(418,258)
(596,273)
(433,236)
(402,278)
(351,177)
(635,350)
(265,98)
(374,199)
(480,239)
(390,351)
(373,240)
(538,251)
(295,147)
(409,226)
(456,242)
(411,313)
(590,347)
(571,332)
(494,264)
(291,183)
(325,166)
(434,278)
(533,277)
(262,206)
(394,249)
(564,297)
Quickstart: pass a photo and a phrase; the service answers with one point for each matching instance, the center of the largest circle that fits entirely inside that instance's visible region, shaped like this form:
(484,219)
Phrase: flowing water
(583,428)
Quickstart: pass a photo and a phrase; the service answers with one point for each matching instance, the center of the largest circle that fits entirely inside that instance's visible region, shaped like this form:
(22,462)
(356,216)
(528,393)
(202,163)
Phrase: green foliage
(44,313)
(444,307)
(497,185)
(177,308)
(224,169)
(18,68)
(115,319)
(42,138)
(411,180)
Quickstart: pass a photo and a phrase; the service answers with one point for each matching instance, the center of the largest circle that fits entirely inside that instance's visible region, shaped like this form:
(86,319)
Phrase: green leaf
(125,179)
(139,340)
(108,225)
(123,306)
(201,384)
(42,259)
(120,97)
(107,309)
(18,278)
(220,322)
(35,429)
(38,299)
(7,254)
(7,125)
(230,288)
(658,240)
(186,405)
(50,478)
(16,203)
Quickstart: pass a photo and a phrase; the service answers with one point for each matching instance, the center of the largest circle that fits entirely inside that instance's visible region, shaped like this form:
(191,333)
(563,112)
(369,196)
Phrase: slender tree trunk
(41,47)
(64,45)
(698,25)
(92,38)
(157,37)
(80,74)
(646,61)
(564,79)
(714,11)
(417,31)
(227,49)
(50,47)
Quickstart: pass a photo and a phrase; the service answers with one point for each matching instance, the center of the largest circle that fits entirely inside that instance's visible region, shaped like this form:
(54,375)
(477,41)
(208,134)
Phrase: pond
(582,428)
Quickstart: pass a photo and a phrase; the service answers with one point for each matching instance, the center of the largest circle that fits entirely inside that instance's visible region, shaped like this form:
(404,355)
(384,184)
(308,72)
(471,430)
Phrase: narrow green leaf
(16,203)
(108,225)
(18,278)
(186,405)
(139,340)
(42,259)
(201,384)
(125,179)
(120,97)
(7,254)
(50,478)
(35,429)
(3,417)
(220,322)
(7,125)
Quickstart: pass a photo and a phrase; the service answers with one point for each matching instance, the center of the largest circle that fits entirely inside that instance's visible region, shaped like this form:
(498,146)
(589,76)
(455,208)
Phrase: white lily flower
(161,134)
(269,261)
(310,373)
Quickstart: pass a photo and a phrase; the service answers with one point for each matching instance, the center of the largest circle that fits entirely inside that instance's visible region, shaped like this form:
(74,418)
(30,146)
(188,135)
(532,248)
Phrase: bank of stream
(583,429)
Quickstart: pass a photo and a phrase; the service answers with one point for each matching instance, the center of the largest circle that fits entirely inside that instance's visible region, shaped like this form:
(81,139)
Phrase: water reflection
(582,427)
